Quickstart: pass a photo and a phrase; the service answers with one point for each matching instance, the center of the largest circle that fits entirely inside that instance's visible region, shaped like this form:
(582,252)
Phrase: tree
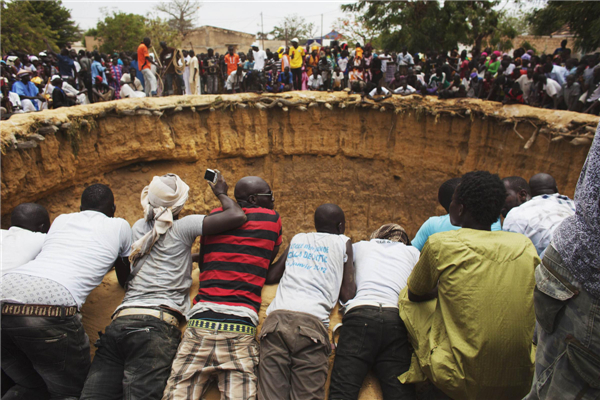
(294,26)
(121,31)
(58,18)
(24,29)
(182,14)
(581,17)
(429,25)
(354,29)
(159,30)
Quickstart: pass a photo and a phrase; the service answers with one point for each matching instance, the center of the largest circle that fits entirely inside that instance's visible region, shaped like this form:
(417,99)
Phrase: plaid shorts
(204,354)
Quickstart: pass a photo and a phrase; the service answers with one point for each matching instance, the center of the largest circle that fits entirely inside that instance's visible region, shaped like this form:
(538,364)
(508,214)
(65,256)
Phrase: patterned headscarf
(161,200)
(393,232)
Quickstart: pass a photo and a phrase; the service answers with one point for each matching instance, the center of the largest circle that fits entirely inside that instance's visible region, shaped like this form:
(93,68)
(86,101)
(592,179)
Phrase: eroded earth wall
(380,162)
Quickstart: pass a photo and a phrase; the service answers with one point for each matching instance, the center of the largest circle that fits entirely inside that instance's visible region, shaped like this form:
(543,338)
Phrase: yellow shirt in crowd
(475,340)
(296,55)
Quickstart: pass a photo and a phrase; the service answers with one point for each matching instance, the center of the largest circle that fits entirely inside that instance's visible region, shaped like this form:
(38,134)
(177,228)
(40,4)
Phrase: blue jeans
(46,357)
(133,360)
(567,362)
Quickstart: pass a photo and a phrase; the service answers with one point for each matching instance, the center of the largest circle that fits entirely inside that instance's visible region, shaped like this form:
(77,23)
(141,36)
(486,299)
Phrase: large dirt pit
(380,162)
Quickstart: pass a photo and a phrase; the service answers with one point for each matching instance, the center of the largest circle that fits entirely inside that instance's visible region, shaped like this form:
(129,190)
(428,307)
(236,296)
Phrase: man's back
(19,246)
(313,275)
(166,274)
(234,264)
(79,250)
(382,270)
(539,217)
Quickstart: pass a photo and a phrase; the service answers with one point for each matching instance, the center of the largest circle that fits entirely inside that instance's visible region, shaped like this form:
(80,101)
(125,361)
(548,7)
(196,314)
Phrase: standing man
(234,265)
(294,339)
(145,65)
(186,71)
(259,57)
(21,243)
(212,77)
(231,60)
(194,73)
(135,354)
(296,63)
(169,58)
(45,350)
(567,361)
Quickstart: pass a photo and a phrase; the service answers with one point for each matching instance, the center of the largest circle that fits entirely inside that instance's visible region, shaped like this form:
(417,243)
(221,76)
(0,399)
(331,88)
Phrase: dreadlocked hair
(483,195)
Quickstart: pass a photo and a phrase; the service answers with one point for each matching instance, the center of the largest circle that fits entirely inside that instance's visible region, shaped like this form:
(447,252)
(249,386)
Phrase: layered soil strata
(381,162)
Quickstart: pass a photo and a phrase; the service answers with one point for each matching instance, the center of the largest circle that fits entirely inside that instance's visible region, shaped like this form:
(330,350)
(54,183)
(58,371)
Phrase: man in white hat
(135,353)
(259,57)
(296,63)
(31,100)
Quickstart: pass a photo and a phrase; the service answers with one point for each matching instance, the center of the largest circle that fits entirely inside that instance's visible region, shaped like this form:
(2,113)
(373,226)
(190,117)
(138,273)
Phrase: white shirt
(382,270)
(384,91)
(79,250)
(19,246)
(525,82)
(409,90)
(384,60)
(405,59)
(313,275)
(232,81)
(552,87)
(259,59)
(539,217)
(128,92)
(315,83)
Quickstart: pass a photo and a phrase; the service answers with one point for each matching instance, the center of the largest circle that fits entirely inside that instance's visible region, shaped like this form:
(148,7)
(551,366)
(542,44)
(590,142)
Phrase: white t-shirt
(79,250)
(19,246)
(525,82)
(128,92)
(259,59)
(382,270)
(384,91)
(552,87)
(313,275)
(315,83)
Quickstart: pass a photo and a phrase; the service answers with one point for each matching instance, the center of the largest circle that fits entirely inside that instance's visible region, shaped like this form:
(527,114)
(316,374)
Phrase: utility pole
(262,31)
(322,44)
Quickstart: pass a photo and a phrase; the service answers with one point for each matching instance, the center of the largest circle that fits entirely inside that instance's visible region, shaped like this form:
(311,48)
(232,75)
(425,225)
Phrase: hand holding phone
(218,184)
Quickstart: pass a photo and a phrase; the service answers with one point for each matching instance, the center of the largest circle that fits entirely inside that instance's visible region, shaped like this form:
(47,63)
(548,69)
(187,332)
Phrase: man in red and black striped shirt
(234,266)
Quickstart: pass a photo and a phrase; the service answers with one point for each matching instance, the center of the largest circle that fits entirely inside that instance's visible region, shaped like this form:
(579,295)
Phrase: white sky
(240,15)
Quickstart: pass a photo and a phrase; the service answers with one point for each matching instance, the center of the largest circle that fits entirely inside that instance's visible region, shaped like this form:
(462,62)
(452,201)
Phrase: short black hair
(328,216)
(30,216)
(446,191)
(97,197)
(483,195)
(517,184)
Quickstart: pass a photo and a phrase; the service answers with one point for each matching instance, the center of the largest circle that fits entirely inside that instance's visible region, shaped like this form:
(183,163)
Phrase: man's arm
(122,268)
(348,290)
(277,268)
(232,216)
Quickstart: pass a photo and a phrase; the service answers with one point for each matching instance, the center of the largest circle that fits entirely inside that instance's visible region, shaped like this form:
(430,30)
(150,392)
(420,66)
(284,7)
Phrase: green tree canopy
(430,25)
(293,26)
(581,17)
(24,29)
(121,31)
(160,30)
(58,18)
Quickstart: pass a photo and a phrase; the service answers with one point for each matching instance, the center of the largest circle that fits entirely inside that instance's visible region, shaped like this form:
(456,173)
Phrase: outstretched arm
(232,216)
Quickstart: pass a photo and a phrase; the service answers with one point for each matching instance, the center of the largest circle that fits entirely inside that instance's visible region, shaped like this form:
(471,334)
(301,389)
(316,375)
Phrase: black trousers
(46,357)
(133,360)
(297,78)
(371,337)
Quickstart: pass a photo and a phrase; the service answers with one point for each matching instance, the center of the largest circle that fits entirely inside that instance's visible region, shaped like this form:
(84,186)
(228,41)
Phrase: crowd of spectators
(555,80)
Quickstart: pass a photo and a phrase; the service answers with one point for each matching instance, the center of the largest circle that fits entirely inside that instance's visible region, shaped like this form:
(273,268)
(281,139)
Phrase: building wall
(543,44)
(205,37)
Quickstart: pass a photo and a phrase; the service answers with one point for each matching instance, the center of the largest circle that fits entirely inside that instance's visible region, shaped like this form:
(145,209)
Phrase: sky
(240,15)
